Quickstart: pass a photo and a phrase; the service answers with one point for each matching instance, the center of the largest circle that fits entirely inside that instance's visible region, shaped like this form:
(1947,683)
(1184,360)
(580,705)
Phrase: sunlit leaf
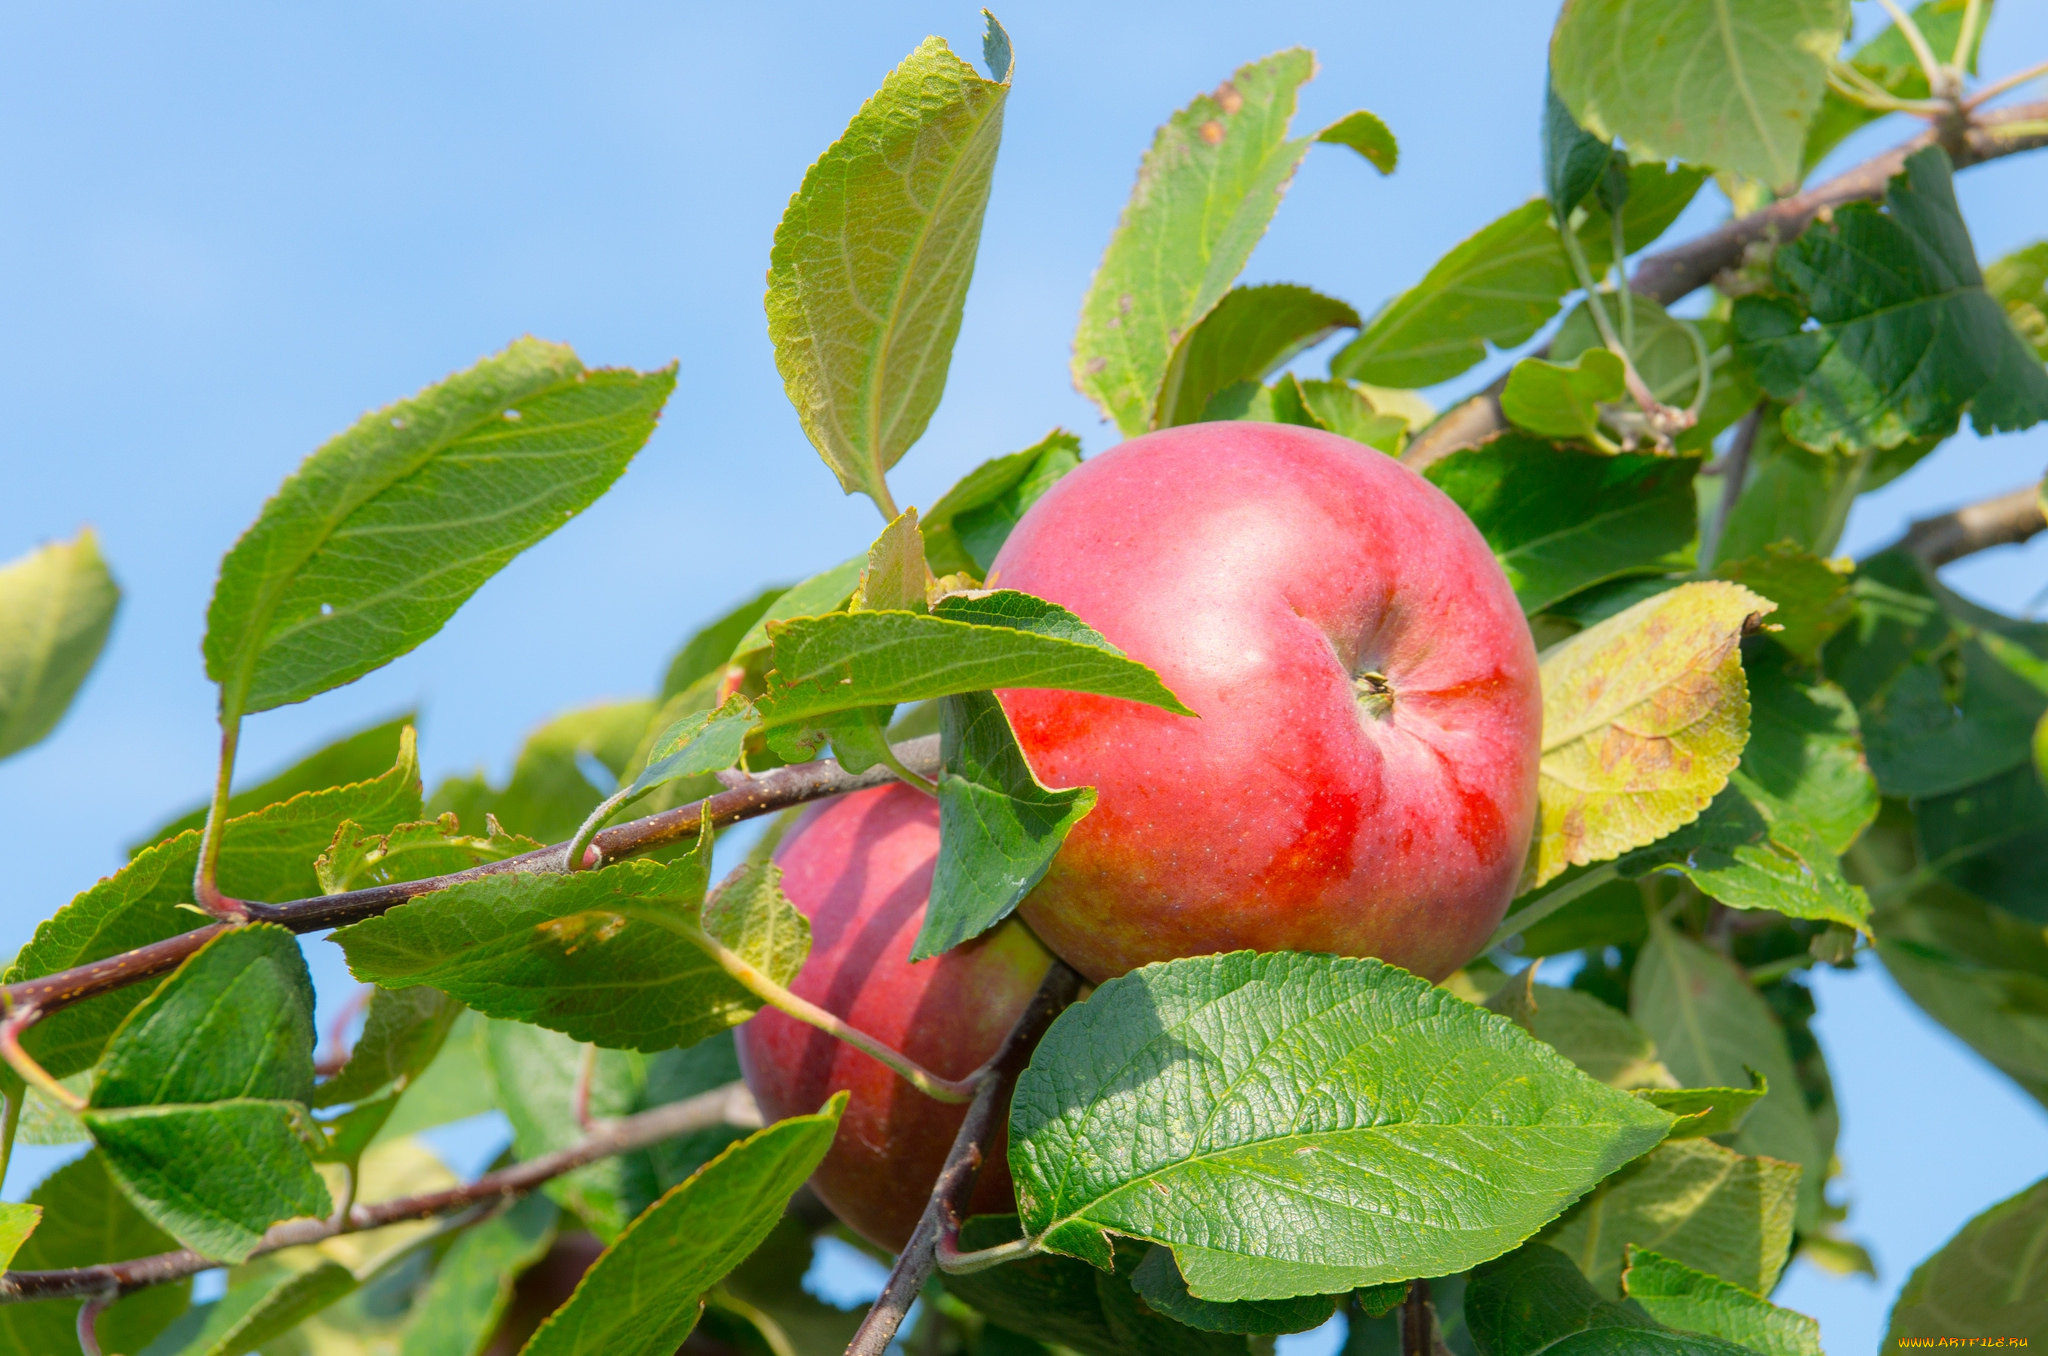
(1644,717)
(1562,401)
(56,606)
(1732,84)
(1251,333)
(1205,193)
(1309,1124)
(872,259)
(1534,1301)
(378,537)
(1687,1298)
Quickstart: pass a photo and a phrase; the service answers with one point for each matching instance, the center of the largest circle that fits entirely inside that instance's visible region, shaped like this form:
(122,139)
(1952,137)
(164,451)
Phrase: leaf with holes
(1206,191)
(56,606)
(374,542)
(872,259)
(1644,717)
(1279,1120)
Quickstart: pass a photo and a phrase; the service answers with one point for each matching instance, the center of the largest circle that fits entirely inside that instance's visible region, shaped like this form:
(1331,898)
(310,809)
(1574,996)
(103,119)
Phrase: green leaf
(198,1100)
(1690,1199)
(1599,1039)
(702,741)
(827,591)
(453,1087)
(1573,158)
(370,546)
(1990,1280)
(1365,133)
(1986,839)
(1349,411)
(1947,694)
(1562,401)
(266,856)
(848,660)
(896,578)
(1706,1112)
(1095,1313)
(1800,796)
(1732,84)
(1250,333)
(1978,971)
(461,1306)
(1534,1301)
(606,956)
(254,1314)
(673,1076)
(1666,352)
(235,1020)
(969,523)
(1906,338)
(56,606)
(1712,1029)
(642,1297)
(1206,191)
(357,757)
(1560,520)
(17,1221)
(87,1222)
(1159,1283)
(1682,1297)
(749,913)
(1812,594)
(213,1175)
(435,847)
(550,793)
(1888,60)
(2019,283)
(999,826)
(535,1073)
(1644,717)
(872,259)
(402,1034)
(1311,1103)
(1498,286)
(710,649)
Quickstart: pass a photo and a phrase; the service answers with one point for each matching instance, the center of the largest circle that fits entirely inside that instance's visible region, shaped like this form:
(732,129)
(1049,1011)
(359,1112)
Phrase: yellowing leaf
(1644,717)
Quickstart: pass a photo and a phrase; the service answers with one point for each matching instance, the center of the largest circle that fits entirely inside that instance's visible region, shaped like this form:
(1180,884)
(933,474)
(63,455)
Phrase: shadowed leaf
(1989,1281)
(1683,1297)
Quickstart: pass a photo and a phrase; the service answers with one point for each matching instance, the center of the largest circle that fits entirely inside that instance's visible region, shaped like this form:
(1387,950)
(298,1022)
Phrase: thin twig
(2002,521)
(1734,470)
(956,1180)
(1670,274)
(765,794)
(729,1105)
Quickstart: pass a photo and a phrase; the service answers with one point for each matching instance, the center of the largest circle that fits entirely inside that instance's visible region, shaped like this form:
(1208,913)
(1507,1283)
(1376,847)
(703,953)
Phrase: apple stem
(957,1263)
(1526,917)
(776,996)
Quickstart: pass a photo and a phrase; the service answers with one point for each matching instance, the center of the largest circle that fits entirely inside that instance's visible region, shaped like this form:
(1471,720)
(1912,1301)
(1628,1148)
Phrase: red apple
(1362,779)
(860,868)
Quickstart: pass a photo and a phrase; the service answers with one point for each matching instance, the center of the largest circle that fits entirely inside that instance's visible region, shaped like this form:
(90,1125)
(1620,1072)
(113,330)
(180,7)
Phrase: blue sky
(226,232)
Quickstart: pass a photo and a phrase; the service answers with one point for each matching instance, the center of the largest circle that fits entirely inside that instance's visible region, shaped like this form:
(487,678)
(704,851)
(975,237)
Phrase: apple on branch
(1362,778)
(860,869)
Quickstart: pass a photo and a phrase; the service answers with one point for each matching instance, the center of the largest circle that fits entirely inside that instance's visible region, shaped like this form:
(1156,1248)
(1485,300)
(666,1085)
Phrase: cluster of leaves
(1756,758)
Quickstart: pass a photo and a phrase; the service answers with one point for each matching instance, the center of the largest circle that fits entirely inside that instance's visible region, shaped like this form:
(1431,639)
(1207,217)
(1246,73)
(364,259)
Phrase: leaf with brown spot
(1644,718)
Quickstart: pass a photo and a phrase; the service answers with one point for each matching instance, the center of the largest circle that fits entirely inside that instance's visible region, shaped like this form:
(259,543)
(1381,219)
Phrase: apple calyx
(1375,694)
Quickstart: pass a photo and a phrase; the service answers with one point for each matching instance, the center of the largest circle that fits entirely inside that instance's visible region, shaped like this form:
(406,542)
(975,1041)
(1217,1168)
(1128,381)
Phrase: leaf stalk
(18,1020)
(1545,905)
(204,890)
